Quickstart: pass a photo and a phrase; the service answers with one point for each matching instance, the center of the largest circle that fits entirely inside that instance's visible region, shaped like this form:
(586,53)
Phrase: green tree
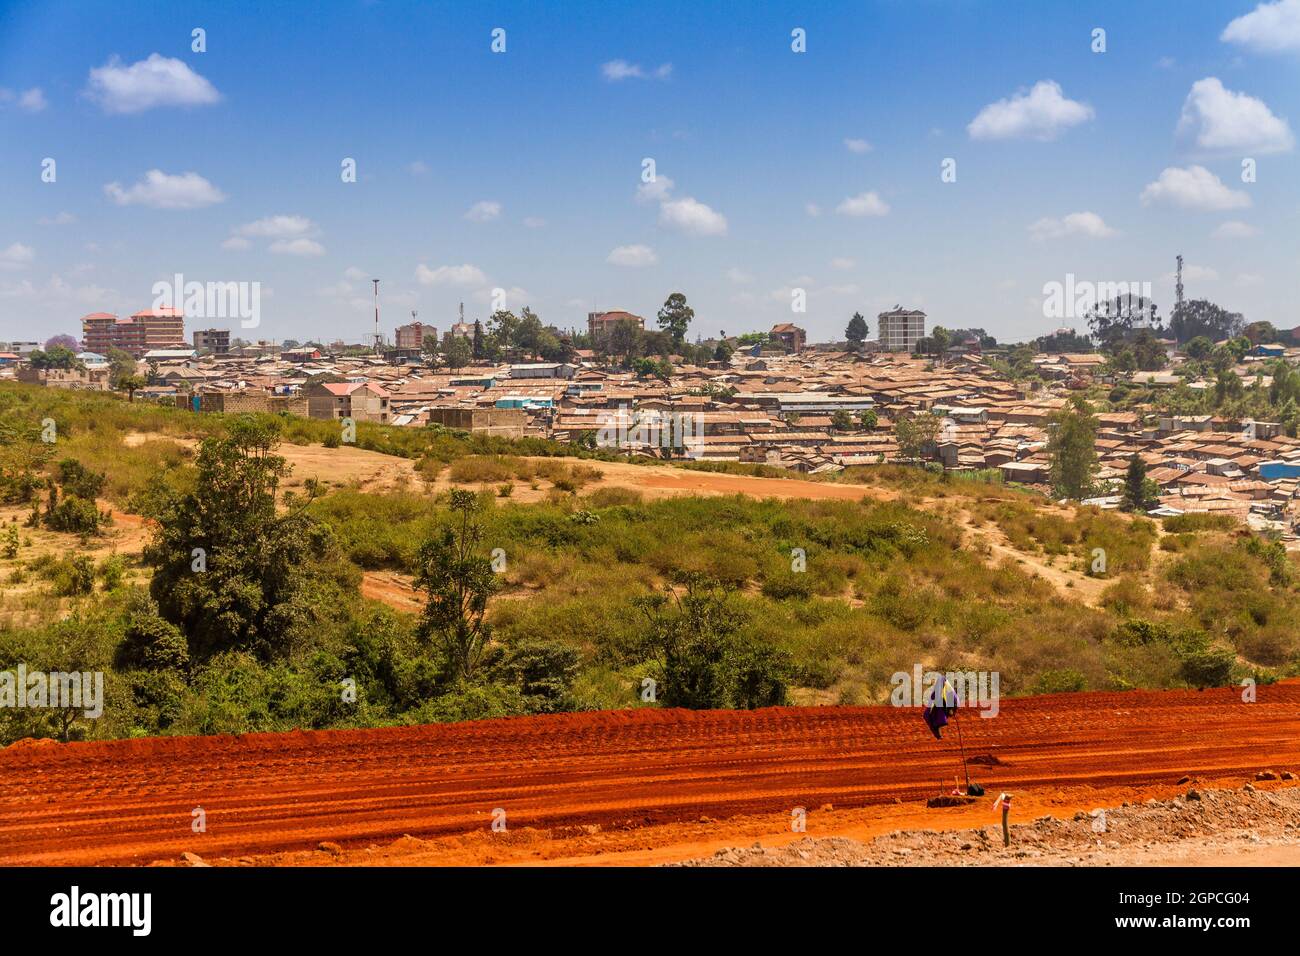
(58,356)
(1139,491)
(456,352)
(675,317)
(1072,448)
(868,419)
(503,326)
(120,365)
(693,633)
(915,434)
(856,332)
(459,581)
(1202,317)
(229,570)
(131,384)
(842,421)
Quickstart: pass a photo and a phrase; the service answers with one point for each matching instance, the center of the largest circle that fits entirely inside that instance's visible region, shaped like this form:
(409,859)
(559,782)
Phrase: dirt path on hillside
(591,774)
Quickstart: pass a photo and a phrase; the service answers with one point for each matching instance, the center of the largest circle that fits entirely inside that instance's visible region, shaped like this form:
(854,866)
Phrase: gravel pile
(1214,819)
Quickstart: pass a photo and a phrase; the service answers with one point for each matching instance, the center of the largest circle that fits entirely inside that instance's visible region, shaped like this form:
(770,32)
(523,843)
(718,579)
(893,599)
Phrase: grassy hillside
(810,601)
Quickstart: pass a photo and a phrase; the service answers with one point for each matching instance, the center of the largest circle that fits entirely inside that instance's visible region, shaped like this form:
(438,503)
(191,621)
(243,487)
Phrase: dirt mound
(1200,823)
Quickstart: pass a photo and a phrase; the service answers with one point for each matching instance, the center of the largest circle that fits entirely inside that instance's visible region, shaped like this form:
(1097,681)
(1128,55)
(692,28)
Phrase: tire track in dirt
(130,801)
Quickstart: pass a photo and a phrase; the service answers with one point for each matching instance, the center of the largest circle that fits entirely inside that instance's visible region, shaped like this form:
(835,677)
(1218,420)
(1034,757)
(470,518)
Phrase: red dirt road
(131,801)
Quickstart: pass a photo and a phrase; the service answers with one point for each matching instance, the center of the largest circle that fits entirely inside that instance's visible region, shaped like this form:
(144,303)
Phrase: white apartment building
(900,329)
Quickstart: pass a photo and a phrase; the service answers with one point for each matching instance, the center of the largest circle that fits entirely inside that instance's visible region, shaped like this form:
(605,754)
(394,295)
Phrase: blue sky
(522,170)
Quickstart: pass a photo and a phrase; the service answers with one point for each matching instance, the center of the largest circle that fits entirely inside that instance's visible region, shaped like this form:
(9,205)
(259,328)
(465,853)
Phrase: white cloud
(297,247)
(32,101)
(1166,63)
(485,211)
(60,219)
(1087,224)
(236,244)
(1235,229)
(278,227)
(1193,188)
(465,275)
(353,273)
(1249,279)
(739,276)
(417,168)
(29,101)
(1236,122)
(1194,273)
(17,256)
(339,290)
(59,290)
(858,146)
(842,263)
(1269,28)
(616,70)
(635,256)
(1041,113)
(692,216)
(863,204)
(660,189)
(146,84)
(686,214)
(160,190)
(533,222)
(812,209)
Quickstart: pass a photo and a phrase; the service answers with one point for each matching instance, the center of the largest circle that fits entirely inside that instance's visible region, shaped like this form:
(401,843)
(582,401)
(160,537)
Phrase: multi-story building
(143,332)
(411,335)
(790,336)
(97,332)
(900,329)
(599,324)
(360,401)
(214,341)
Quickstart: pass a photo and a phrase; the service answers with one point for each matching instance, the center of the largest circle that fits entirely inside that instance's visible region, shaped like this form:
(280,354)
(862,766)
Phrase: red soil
(130,801)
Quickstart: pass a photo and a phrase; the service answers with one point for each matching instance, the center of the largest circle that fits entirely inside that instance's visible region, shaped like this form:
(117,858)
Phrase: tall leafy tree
(477,344)
(230,570)
(915,433)
(456,352)
(675,317)
(504,328)
(856,332)
(1202,317)
(1072,448)
(458,580)
(1139,490)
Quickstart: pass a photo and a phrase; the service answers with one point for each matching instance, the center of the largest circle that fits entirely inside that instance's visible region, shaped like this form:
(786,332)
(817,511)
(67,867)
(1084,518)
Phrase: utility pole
(376,282)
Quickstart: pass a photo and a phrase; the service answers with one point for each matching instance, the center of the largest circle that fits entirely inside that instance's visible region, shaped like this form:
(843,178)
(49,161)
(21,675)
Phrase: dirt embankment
(619,786)
(1246,827)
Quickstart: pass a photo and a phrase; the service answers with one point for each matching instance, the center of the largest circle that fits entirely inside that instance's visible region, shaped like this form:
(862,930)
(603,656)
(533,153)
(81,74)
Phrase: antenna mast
(376,282)
(1178,287)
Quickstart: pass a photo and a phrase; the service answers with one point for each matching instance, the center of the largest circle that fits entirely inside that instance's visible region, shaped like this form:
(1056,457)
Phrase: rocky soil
(1200,826)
